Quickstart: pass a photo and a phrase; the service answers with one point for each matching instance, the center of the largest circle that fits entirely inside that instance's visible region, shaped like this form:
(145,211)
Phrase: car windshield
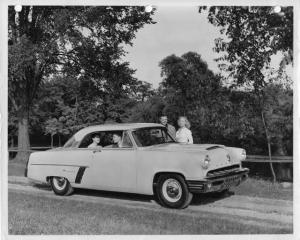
(151,136)
(71,143)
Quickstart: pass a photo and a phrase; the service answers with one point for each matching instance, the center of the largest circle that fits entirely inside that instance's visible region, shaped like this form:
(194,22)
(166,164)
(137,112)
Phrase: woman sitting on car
(184,134)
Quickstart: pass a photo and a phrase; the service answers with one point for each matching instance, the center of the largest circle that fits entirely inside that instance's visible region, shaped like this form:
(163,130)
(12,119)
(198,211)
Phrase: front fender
(152,162)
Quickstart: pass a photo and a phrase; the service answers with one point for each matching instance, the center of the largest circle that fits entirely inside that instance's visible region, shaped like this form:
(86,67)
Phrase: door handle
(97,150)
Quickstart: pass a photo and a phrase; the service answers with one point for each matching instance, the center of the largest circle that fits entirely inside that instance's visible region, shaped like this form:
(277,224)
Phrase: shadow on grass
(198,199)
(202,199)
(114,195)
(42,186)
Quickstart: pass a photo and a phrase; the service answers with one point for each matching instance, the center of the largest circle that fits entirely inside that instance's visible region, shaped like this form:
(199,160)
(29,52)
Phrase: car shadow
(198,199)
(206,198)
(114,195)
(42,186)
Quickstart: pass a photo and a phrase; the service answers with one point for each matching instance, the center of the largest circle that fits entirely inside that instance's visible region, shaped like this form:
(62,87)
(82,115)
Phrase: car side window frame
(102,133)
(141,146)
(121,148)
(126,133)
(87,135)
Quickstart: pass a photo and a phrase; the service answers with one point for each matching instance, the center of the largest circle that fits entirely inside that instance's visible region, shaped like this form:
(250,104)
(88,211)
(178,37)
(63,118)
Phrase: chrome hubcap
(172,190)
(59,183)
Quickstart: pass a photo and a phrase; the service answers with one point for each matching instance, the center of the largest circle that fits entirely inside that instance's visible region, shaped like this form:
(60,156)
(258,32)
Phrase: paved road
(255,211)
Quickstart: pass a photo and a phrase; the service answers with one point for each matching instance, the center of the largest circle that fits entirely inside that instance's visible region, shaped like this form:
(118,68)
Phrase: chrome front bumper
(218,183)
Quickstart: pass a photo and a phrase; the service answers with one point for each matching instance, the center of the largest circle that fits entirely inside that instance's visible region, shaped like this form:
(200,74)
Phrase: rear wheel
(172,191)
(61,186)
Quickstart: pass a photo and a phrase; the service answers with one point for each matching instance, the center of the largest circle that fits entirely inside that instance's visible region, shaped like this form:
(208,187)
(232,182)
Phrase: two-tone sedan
(145,161)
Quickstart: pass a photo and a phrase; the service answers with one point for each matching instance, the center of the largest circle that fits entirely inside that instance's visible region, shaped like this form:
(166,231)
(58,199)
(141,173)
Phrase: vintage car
(147,162)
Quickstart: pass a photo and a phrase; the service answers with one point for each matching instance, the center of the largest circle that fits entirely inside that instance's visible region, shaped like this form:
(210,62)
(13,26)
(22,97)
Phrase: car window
(71,143)
(106,139)
(87,140)
(126,141)
(151,136)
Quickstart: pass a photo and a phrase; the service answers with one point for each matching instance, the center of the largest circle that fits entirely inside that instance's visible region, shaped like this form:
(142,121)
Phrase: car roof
(112,127)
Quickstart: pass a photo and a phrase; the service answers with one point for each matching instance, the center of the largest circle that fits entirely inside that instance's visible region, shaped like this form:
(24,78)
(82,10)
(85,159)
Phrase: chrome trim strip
(49,164)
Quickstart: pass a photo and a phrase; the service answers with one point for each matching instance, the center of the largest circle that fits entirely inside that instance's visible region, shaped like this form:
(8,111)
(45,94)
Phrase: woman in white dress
(184,134)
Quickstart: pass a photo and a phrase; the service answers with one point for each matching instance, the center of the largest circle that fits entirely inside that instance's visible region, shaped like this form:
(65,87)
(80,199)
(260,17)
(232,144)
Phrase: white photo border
(4,108)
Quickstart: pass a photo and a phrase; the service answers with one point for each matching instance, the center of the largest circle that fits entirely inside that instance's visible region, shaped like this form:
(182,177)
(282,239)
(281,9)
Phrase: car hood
(185,147)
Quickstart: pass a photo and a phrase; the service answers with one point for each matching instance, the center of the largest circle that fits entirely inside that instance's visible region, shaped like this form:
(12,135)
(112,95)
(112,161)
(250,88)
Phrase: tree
(148,110)
(190,89)
(142,91)
(45,40)
(278,109)
(253,35)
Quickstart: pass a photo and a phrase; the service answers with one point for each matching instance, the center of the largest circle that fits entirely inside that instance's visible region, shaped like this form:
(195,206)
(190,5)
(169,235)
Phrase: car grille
(222,171)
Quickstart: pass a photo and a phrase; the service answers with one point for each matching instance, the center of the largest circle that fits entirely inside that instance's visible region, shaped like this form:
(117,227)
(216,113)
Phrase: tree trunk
(51,140)
(23,140)
(59,140)
(269,146)
(271,164)
(12,142)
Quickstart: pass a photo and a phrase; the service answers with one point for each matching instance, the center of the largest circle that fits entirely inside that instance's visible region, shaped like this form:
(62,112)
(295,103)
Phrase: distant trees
(252,36)
(44,40)
(218,113)
(190,89)
(65,73)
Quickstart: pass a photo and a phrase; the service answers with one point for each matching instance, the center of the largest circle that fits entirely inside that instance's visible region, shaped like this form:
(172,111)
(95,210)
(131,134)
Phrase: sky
(177,31)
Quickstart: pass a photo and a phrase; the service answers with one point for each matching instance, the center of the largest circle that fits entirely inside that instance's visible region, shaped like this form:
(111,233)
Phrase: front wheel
(61,186)
(172,191)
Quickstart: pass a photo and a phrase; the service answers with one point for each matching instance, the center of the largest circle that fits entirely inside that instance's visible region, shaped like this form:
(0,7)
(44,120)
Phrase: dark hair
(96,135)
(118,134)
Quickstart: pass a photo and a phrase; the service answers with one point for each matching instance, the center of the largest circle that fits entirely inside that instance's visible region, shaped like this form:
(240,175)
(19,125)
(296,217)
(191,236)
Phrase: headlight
(206,162)
(228,157)
(244,154)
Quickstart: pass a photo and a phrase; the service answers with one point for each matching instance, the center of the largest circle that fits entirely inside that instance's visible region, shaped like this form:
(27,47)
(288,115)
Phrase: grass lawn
(30,214)
(16,168)
(254,187)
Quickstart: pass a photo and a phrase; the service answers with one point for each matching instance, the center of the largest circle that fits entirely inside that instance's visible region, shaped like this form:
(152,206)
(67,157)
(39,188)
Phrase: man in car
(171,129)
(117,140)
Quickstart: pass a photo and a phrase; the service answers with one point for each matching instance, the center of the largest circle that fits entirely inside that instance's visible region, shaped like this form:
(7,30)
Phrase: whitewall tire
(61,186)
(172,191)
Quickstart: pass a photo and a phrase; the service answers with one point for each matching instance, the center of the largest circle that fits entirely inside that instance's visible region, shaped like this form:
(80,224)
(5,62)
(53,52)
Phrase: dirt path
(269,213)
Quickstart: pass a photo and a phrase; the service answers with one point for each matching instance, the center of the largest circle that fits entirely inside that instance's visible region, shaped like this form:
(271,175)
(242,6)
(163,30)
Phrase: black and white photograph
(149,118)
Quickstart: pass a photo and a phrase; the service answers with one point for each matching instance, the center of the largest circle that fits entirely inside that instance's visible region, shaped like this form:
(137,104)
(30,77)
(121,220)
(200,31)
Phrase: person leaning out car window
(96,141)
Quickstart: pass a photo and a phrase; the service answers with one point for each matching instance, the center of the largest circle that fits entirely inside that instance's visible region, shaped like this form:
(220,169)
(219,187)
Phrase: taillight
(244,155)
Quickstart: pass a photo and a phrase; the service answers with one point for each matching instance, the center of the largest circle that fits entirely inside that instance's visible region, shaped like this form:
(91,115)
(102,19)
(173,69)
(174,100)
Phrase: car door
(113,169)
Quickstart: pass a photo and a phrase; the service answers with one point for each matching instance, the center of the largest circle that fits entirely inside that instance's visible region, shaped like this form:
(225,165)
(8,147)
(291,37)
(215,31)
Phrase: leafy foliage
(76,41)
(219,114)
(252,36)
